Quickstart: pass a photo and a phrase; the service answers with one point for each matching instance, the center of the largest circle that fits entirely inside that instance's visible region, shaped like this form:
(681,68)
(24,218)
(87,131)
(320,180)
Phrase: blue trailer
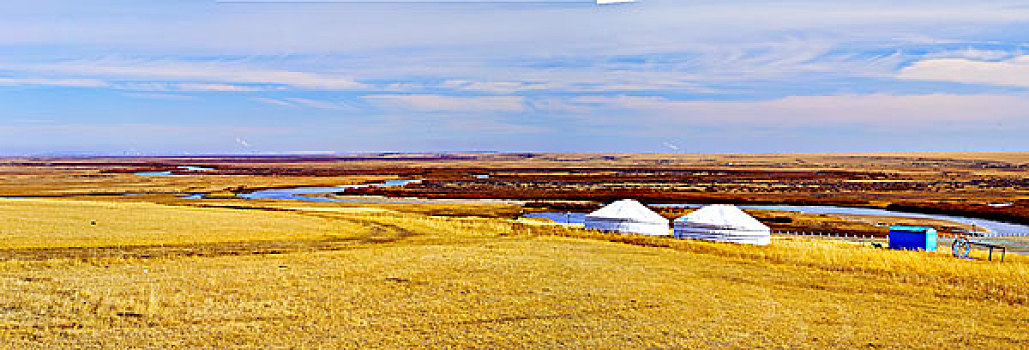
(913,238)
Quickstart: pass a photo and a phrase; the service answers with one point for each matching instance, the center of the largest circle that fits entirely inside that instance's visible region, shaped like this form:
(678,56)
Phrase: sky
(216,77)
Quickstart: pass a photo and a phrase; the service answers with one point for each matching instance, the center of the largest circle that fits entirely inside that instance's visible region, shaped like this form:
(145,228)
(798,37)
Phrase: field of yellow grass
(233,273)
(39,223)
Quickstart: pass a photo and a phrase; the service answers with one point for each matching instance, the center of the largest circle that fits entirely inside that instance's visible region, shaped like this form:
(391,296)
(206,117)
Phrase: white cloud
(304,102)
(301,28)
(438,103)
(584,81)
(119,131)
(116,138)
(62,82)
(972,53)
(190,75)
(819,110)
(1012,72)
(274,102)
(560,105)
(158,96)
(319,104)
(217,87)
(184,87)
(496,87)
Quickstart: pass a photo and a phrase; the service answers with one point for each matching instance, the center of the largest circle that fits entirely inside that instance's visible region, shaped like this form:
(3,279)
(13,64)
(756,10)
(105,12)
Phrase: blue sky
(175,77)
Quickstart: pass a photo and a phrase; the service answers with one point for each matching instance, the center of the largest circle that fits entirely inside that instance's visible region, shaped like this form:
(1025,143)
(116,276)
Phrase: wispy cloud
(559,105)
(61,82)
(822,110)
(217,87)
(305,102)
(440,103)
(186,87)
(973,53)
(1012,72)
(273,101)
(208,75)
(159,96)
(333,105)
(497,87)
(136,130)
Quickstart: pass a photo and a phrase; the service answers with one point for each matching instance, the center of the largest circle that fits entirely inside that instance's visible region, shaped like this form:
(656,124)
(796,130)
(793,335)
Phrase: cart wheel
(960,248)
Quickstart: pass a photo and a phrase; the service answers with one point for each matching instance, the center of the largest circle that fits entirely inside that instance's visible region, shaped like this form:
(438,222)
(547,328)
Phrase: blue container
(913,238)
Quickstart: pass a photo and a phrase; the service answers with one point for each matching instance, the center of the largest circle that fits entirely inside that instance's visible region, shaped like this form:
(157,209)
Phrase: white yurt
(722,223)
(627,216)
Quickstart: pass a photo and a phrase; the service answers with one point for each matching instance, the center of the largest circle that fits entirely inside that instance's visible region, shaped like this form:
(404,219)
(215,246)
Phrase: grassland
(158,271)
(48,223)
(410,278)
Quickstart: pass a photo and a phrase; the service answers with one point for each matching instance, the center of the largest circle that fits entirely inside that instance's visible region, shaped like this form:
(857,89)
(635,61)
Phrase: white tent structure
(722,223)
(627,216)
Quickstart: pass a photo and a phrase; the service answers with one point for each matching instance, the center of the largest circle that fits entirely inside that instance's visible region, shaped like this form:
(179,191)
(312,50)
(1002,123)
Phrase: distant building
(722,223)
(627,216)
(913,238)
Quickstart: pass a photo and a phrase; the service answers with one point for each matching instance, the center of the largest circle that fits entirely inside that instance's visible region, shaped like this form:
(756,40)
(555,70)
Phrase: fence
(850,236)
(832,235)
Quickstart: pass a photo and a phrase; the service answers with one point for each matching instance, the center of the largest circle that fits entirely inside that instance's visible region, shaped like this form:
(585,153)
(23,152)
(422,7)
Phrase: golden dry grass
(435,281)
(512,293)
(41,223)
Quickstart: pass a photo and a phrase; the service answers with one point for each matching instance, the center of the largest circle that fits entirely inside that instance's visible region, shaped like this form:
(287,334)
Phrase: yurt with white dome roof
(628,216)
(722,223)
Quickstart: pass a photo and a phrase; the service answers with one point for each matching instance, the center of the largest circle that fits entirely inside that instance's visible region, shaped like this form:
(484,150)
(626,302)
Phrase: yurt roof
(723,215)
(628,209)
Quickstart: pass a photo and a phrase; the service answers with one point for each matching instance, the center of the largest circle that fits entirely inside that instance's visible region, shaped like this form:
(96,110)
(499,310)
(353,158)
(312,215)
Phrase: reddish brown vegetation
(954,183)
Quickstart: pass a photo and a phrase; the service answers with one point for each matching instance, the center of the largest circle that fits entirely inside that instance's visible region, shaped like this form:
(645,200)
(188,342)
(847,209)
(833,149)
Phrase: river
(993,227)
(181,168)
(312,194)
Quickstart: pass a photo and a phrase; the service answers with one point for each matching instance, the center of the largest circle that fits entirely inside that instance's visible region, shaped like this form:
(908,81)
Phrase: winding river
(311,194)
(315,194)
